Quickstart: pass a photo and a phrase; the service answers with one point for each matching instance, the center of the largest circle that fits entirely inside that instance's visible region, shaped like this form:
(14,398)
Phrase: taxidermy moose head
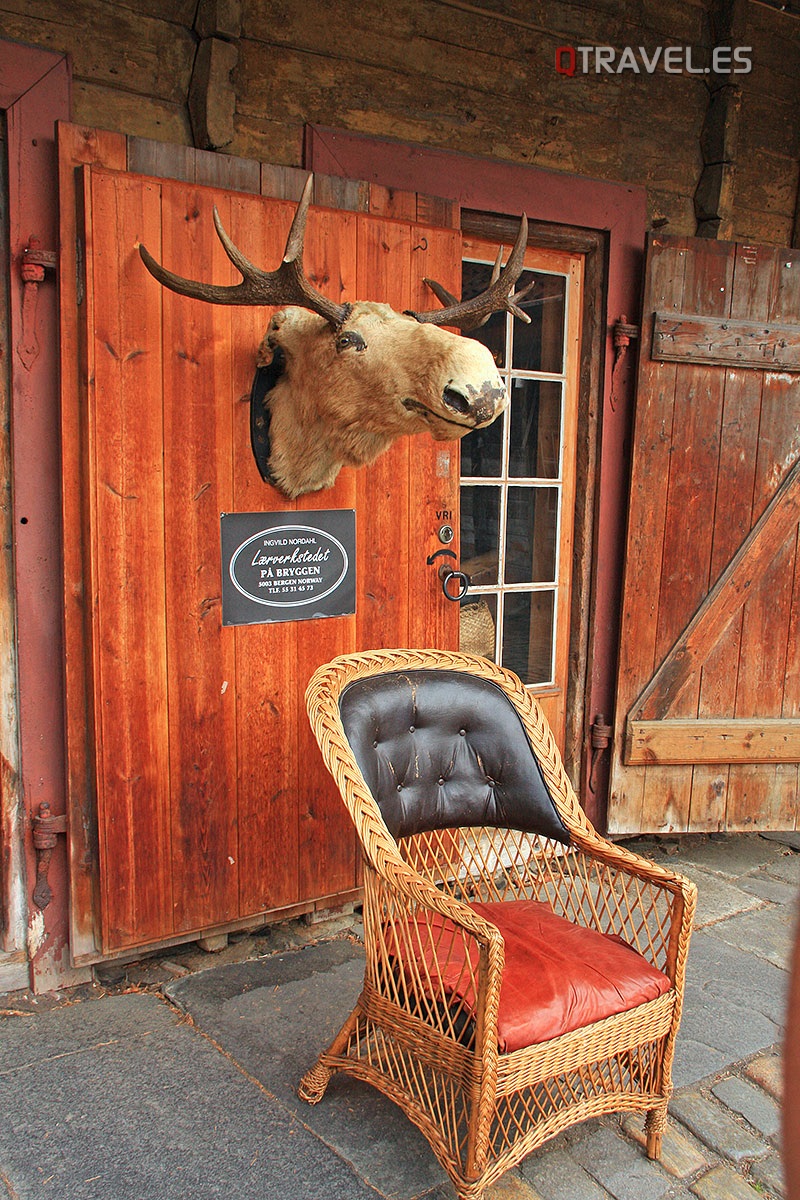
(338,383)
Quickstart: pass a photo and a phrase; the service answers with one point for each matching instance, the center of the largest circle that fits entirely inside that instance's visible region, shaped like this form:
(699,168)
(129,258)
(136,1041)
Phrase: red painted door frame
(618,210)
(35,92)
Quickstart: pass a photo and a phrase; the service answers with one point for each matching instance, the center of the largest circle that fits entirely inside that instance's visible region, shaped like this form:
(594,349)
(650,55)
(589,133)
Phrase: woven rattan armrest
(422,896)
(628,864)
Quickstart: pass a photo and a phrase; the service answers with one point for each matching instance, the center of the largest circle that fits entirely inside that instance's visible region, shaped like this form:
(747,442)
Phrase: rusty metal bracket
(33,264)
(601,740)
(624,334)
(46,829)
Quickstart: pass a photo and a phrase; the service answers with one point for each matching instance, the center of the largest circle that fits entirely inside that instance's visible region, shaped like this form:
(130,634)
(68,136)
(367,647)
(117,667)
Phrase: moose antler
(287,285)
(498,297)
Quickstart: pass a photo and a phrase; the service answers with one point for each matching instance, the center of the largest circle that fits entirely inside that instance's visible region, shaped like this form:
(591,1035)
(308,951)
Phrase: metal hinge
(601,740)
(33,264)
(624,334)
(46,829)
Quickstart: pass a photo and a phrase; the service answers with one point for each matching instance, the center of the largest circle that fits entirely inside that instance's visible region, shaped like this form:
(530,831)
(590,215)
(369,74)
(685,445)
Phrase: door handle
(463,582)
(446,573)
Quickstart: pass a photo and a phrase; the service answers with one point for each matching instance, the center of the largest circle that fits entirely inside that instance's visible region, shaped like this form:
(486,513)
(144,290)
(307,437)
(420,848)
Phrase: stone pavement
(175,1076)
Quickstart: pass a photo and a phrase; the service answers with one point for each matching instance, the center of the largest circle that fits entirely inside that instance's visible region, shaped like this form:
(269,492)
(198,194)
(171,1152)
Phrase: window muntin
(512,483)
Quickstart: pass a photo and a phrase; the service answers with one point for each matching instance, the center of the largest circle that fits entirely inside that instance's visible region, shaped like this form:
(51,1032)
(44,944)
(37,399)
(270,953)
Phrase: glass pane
(535,449)
(480,534)
(540,345)
(482,451)
(478,621)
(528,635)
(532,525)
(475,278)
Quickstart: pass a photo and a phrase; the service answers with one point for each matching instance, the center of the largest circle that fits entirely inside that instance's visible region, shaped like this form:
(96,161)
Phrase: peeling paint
(36,933)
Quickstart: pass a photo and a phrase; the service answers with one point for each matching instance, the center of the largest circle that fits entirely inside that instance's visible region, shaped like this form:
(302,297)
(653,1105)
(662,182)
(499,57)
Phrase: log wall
(478,78)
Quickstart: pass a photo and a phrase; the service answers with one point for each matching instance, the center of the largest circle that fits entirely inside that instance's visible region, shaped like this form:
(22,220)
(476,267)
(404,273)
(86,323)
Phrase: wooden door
(707,733)
(211,803)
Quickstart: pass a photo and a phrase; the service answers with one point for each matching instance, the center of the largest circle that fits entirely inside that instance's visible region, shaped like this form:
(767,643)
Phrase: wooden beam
(719,140)
(725,599)
(725,342)
(735,740)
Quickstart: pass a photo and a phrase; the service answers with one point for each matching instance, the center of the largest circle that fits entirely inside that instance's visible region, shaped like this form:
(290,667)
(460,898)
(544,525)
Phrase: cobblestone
(757,1108)
(512,1187)
(714,1126)
(767,1071)
(724,1184)
(621,1168)
(769,1172)
(680,1155)
(556,1175)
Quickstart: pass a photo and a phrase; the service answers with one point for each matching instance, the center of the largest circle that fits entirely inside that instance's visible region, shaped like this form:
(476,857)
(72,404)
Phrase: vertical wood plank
(126,443)
(688,532)
(384,274)
(197,465)
(765,796)
(785,387)
(733,519)
(75,146)
(266,682)
(327,843)
(788,301)
(434,467)
(644,553)
(390,202)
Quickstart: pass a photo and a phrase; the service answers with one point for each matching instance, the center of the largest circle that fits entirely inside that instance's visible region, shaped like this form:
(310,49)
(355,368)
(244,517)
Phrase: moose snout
(478,406)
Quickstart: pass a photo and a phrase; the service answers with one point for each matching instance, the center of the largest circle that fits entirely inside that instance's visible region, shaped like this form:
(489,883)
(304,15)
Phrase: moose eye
(350,339)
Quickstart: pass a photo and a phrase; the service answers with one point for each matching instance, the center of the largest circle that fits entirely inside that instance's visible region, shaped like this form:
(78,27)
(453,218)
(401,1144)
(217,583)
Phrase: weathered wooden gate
(707,733)
(197,797)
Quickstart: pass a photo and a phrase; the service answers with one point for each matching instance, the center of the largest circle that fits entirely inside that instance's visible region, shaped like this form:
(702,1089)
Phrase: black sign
(294,566)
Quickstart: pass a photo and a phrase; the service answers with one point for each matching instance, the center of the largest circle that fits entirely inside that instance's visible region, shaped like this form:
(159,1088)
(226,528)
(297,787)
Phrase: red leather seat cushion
(558,976)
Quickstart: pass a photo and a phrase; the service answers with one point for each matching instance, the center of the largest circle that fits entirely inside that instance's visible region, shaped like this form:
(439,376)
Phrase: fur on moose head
(338,383)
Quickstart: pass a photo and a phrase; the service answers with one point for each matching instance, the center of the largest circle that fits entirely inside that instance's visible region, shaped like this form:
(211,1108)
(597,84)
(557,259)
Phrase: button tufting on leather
(403,726)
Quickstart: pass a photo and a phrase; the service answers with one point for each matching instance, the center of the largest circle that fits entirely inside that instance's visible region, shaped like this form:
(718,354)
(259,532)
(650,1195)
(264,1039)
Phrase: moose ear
(264,381)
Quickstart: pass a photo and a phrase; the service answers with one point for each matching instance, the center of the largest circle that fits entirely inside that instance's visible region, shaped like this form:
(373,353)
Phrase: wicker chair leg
(313,1084)
(471,1192)
(654,1125)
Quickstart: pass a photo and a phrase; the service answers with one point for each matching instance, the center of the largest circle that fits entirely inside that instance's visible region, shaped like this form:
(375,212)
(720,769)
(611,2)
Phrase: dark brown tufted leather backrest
(441,748)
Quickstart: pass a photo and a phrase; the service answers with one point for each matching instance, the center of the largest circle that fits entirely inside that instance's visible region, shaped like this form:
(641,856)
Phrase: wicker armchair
(522,973)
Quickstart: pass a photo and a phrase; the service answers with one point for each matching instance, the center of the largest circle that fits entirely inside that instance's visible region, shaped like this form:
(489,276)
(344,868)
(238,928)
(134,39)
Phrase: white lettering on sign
(293,566)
